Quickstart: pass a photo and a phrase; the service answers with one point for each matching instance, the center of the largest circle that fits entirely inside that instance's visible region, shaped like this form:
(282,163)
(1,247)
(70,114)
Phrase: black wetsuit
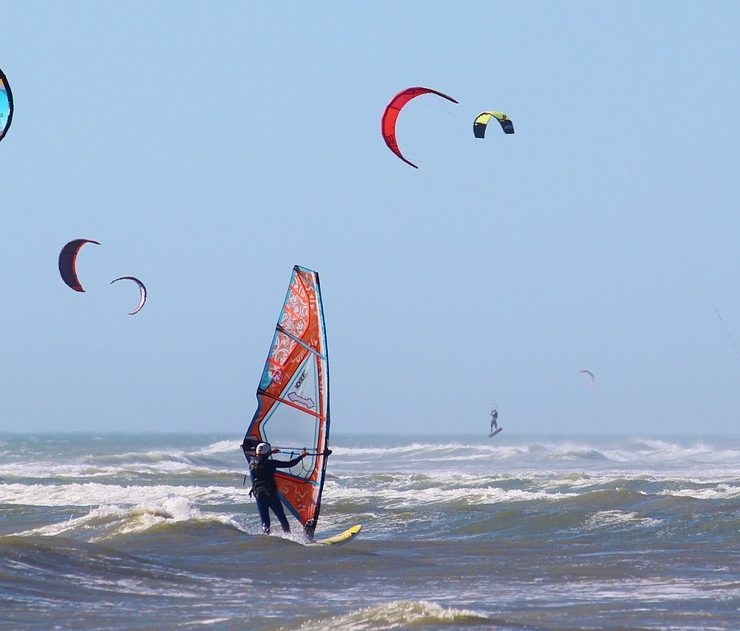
(264,489)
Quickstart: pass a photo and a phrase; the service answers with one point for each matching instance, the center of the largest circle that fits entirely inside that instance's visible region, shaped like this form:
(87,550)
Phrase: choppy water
(157,531)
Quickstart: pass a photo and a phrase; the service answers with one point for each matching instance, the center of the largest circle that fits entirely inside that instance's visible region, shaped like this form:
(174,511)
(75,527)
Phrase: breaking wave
(109,521)
(399,614)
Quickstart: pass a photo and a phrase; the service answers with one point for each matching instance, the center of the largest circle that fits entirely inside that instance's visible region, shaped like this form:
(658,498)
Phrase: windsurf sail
(293,399)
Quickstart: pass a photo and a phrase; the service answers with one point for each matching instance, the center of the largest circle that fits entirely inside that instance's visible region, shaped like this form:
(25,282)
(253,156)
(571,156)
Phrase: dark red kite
(388,122)
(68,260)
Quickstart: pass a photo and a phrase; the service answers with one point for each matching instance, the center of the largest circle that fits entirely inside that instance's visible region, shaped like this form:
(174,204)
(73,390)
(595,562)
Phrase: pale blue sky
(211,146)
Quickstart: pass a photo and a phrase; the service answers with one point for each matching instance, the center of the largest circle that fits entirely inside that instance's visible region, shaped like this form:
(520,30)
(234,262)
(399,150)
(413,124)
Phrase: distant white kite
(142,292)
(590,374)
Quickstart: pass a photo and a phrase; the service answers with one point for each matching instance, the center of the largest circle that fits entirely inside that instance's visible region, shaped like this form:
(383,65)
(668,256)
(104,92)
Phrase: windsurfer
(264,489)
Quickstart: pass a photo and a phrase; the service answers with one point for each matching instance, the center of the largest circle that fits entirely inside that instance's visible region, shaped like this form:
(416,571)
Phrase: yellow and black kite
(481,122)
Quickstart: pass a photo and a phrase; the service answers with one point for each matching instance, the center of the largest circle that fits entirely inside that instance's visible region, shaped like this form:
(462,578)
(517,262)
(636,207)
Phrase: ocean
(156,531)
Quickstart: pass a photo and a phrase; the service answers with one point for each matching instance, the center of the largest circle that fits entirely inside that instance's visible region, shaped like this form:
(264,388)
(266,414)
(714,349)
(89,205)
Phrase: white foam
(88,470)
(721,492)
(619,456)
(612,518)
(399,614)
(413,447)
(219,447)
(658,590)
(106,521)
(95,494)
(393,496)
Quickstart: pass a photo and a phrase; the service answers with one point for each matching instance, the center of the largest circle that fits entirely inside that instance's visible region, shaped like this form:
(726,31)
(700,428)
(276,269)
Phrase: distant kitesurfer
(264,489)
(494,419)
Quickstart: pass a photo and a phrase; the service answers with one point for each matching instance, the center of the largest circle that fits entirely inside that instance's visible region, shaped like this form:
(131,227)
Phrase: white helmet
(263,449)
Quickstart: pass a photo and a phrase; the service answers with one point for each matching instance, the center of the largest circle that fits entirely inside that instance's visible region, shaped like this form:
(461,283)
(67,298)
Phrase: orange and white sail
(293,398)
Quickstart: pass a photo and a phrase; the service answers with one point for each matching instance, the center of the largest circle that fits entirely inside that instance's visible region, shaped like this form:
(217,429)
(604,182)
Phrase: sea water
(516,532)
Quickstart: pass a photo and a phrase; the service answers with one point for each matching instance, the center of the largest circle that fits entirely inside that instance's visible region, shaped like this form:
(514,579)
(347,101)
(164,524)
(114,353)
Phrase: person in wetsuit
(494,419)
(264,489)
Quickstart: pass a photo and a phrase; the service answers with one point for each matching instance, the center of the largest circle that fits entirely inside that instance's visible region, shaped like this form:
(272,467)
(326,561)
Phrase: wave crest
(109,521)
(397,614)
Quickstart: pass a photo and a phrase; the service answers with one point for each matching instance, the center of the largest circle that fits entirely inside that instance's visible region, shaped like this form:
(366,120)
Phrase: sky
(210,147)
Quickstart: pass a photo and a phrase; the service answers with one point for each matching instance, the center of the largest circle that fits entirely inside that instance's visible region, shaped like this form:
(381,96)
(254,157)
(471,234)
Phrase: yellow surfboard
(342,537)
